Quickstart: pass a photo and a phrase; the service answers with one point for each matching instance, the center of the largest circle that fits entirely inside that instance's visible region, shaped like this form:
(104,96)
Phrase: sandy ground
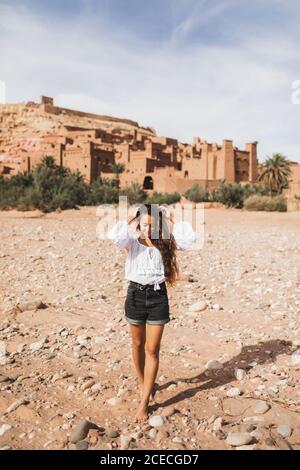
(72,360)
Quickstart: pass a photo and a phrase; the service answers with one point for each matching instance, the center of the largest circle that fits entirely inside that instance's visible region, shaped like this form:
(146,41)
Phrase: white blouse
(144,264)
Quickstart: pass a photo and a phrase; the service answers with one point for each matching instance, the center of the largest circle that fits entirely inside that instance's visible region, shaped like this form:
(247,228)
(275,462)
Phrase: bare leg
(138,334)
(152,348)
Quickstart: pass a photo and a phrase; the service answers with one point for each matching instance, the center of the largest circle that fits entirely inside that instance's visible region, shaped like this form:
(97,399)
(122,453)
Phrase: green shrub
(197,193)
(230,194)
(102,191)
(167,198)
(266,203)
(255,189)
(135,194)
(57,187)
(13,189)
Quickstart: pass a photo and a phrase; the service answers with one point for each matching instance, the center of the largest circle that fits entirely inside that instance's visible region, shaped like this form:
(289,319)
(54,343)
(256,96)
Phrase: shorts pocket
(161,292)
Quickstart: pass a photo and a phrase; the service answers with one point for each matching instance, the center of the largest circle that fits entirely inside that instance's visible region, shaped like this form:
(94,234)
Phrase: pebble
(16,404)
(169,411)
(2,349)
(240,374)
(152,433)
(114,401)
(87,385)
(156,421)
(233,392)
(238,438)
(260,407)
(80,431)
(82,445)
(296,357)
(213,365)
(37,345)
(34,305)
(4,428)
(216,307)
(198,306)
(124,441)
(112,434)
(284,430)
(217,424)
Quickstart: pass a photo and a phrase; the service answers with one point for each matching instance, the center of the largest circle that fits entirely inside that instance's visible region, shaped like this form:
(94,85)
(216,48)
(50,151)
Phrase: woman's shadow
(261,353)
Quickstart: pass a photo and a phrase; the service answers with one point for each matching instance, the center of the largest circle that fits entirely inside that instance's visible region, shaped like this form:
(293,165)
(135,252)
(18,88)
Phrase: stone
(2,349)
(198,306)
(216,307)
(114,401)
(152,433)
(284,430)
(240,374)
(213,365)
(217,424)
(80,431)
(260,407)
(34,305)
(124,441)
(238,438)
(233,392)
(169,411)
(37,345)
(87,385)
(82,445)
(112,434)
(156,421)
(4,428)
(16,404)
(296,357)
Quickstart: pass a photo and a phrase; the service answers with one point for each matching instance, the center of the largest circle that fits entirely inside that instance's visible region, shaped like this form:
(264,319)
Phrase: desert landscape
(230,356)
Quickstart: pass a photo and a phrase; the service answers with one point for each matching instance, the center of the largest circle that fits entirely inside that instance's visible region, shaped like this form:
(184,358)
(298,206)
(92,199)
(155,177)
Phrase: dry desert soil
(230,356)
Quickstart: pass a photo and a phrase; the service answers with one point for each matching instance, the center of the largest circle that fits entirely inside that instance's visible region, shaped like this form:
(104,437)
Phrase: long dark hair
(164,240)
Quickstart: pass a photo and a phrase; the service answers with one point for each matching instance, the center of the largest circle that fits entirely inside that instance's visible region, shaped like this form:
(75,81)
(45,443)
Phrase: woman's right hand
(130,219)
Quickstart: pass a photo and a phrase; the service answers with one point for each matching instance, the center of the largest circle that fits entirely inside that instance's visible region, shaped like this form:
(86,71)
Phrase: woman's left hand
(166,212)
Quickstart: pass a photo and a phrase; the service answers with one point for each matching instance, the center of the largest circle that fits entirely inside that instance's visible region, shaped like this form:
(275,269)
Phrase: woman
(150,265)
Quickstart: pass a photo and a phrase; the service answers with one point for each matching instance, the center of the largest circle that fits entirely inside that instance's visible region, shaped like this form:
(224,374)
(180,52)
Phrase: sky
(215,69)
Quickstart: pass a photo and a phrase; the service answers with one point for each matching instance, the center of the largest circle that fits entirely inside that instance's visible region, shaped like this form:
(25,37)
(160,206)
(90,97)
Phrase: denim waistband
(154,286)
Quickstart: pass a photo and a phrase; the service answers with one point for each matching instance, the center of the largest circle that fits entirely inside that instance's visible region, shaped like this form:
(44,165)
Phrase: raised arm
(184,235)
(183,232)
(121,234)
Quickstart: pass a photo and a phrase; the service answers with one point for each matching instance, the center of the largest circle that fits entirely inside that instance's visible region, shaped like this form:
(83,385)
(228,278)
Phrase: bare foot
(142,414)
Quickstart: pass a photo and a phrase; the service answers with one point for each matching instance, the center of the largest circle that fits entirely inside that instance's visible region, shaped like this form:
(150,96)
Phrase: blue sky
(217,69)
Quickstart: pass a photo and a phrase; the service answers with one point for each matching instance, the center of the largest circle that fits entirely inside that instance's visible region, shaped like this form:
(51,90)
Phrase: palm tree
(48,161)
(275,173)
(117,169)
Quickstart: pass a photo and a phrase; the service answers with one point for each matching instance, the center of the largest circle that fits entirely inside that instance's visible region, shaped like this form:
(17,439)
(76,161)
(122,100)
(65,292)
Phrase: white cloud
(239,91)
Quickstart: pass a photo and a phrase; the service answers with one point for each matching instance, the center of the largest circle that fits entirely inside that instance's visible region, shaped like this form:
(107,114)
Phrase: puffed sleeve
(184,235)
(121,234)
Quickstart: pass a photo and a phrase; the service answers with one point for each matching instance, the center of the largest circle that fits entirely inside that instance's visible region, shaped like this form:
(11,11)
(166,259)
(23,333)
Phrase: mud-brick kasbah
(91,143)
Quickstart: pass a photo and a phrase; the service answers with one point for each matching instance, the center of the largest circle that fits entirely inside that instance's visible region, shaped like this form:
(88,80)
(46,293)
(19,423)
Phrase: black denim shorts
(143,304)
